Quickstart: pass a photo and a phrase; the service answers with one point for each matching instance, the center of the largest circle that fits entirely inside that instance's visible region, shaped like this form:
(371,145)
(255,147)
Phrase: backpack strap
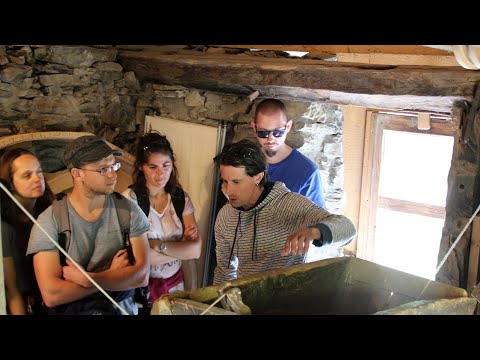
(60,213)
(178,200)
(123,214)
(142,198)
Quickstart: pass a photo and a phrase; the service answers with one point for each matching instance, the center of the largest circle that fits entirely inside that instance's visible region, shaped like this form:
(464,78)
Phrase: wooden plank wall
(353,144)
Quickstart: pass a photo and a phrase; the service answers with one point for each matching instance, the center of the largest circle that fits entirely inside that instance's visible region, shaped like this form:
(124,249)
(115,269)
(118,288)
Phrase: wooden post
(423,121)
(363,250)
(3,300)
(474,255)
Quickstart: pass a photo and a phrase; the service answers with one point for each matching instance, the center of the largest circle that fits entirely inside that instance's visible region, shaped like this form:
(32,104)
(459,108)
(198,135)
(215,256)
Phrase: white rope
(61,249)
(451,249)
(456,241)
(213,304)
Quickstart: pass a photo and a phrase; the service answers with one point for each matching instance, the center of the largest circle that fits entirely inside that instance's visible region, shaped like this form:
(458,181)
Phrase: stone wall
(317,129)
(316,133)
(83,88)
(66,88)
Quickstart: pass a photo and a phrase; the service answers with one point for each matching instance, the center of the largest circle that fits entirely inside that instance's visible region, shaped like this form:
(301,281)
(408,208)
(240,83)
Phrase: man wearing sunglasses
(285,164)
(95,242)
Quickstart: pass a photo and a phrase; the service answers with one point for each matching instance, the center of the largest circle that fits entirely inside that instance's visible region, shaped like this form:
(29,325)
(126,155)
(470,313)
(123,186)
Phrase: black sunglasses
(263,134)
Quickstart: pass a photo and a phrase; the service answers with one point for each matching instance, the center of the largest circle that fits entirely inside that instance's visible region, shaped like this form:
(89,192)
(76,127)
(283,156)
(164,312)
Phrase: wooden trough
(340,286)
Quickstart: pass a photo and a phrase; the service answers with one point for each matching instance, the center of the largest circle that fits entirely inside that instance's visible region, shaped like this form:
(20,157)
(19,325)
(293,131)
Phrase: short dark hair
(271,106)
(151,143)
(244,153)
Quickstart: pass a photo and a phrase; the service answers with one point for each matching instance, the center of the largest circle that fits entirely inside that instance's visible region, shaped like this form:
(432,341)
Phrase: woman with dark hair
(22,175)
(173,234)
(264,226)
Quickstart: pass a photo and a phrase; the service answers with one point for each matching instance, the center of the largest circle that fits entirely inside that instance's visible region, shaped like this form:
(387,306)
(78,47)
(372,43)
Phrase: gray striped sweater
(281,213)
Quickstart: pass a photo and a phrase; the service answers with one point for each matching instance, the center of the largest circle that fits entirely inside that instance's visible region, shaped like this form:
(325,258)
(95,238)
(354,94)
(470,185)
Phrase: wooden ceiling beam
(357,49)
(398,59)
(308,79)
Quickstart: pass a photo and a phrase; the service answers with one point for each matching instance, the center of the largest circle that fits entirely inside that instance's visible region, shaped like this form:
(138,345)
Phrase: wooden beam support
(423,121)
(398,59)
(473,260)
(437,126)
(412,207)
(236,70)
(364,251)
(359,49)
(467,129)
(309,80)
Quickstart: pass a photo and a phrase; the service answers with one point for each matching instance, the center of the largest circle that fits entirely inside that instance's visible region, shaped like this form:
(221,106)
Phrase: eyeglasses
(263,134)
(103,171)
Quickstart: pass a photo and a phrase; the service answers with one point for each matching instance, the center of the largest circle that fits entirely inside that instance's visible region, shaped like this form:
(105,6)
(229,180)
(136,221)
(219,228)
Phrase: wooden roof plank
(360,49)
(311,80)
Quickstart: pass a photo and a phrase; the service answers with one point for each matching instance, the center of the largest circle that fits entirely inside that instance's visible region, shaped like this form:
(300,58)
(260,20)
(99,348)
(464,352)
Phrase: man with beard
(96,241)
(285,164)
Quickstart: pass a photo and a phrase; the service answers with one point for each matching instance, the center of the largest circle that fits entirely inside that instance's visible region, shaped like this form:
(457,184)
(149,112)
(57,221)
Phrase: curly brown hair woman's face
(157,170)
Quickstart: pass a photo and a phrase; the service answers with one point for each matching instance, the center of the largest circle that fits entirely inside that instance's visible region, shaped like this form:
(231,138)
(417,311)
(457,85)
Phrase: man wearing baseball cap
(96,241)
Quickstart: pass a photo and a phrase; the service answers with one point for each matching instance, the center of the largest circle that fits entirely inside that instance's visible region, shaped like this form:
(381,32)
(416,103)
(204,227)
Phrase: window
(404,208)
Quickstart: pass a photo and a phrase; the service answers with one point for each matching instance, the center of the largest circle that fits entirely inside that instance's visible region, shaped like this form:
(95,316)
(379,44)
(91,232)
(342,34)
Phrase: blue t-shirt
(300,175)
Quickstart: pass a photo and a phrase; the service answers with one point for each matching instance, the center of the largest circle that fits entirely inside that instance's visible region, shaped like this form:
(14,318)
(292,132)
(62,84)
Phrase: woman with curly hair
(173,234)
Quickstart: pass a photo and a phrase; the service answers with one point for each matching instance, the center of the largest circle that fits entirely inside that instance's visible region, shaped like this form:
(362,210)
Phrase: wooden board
(359,49)
(398,59)
(353,143)
(46,135)
(61,180)
(473,260)
(177,306)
